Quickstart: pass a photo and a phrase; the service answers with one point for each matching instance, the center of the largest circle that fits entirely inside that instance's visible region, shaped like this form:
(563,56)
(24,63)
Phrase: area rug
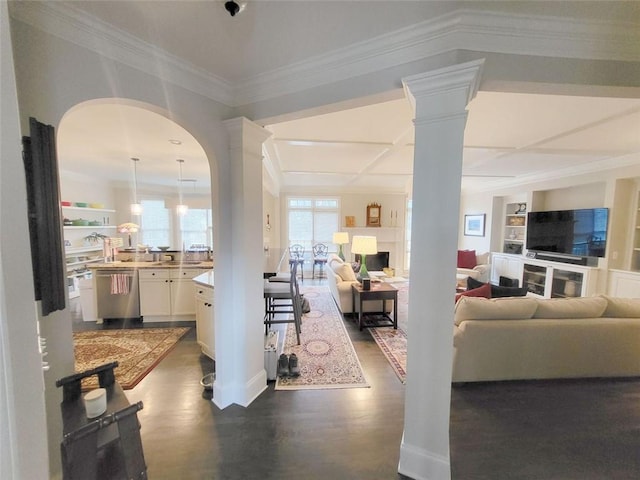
(393,343)
(326,356)
(137,351)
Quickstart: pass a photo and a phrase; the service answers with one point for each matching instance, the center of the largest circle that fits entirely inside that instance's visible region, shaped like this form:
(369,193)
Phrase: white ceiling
(508,137)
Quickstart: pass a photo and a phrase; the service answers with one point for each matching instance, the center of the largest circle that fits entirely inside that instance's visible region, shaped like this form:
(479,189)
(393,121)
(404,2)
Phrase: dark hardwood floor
(582,429)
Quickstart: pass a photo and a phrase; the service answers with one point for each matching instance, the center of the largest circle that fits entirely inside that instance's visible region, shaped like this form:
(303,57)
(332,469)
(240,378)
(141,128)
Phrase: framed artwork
(474,225)
(350,221)
(373,215)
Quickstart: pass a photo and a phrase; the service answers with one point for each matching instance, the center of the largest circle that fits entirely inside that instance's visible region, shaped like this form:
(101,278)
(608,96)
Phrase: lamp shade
(364,245)
(340,238)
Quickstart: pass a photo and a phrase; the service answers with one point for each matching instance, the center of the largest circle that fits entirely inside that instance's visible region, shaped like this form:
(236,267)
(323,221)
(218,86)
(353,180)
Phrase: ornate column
(239,337)
(439,99)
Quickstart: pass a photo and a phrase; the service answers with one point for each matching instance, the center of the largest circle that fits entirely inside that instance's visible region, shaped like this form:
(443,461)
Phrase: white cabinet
(623,284)
(505,265)
(167,292)
(205,330)
(556,280)
(515,228)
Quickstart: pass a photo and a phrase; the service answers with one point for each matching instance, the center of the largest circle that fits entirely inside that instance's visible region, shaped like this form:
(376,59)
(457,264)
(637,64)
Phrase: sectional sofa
(532,338)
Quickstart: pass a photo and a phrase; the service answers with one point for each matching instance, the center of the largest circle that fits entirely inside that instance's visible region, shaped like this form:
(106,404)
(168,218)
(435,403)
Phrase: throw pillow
(496,290)
(483,291)
(345,272)
(466,258)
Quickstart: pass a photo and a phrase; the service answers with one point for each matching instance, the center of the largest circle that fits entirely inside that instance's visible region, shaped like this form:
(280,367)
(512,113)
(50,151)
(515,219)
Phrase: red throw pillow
(466,258)
(483,291)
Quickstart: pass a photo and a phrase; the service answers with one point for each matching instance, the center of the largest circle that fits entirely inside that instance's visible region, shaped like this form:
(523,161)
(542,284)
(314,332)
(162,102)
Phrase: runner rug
(393,343)
(137,351)
(326,356)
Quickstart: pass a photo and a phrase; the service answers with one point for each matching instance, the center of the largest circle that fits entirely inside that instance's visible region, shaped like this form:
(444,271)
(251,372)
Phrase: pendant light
(136,208)
(181,207)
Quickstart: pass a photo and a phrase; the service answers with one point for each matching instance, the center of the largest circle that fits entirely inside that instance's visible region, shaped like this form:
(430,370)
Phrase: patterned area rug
(326,356)
(137,351)
(393,343)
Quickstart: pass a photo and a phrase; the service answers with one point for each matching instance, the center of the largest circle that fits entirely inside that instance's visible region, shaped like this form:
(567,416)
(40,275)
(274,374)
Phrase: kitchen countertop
(139,265)
(205,279)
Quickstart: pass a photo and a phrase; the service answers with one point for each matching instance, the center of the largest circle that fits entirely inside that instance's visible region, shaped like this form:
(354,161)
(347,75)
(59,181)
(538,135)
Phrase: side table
(379,291)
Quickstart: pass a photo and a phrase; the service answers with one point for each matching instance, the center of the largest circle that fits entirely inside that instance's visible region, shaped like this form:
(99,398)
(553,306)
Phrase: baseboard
(420,464)
(240,395)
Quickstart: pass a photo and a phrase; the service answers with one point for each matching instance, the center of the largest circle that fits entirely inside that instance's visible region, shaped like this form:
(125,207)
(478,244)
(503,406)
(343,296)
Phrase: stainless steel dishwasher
(125,303)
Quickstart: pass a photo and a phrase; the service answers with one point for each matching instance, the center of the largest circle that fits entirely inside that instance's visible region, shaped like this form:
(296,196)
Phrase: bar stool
(283,298)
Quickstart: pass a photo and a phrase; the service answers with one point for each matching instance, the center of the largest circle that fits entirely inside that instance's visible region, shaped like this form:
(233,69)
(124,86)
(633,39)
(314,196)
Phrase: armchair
(472,265)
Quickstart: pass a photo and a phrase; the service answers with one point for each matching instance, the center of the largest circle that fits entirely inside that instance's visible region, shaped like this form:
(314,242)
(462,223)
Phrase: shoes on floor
(283,366)
(294,369)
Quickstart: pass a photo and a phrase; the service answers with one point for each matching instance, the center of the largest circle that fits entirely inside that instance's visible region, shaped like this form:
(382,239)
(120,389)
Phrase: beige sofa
(340,277)
(530,338)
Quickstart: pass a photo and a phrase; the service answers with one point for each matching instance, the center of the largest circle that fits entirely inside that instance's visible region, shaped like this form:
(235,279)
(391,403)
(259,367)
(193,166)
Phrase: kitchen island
(150,291)
(205,319)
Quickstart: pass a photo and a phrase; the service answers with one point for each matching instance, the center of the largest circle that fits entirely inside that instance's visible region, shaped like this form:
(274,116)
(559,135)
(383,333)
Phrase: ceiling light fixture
(136,208)
(181,207)
(175,142)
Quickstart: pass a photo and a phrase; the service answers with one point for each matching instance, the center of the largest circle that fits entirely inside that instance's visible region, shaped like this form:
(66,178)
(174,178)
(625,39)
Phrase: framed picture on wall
(474,225)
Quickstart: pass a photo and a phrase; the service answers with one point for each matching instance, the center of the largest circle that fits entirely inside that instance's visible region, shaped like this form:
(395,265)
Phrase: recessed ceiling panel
(398,163)
(499,120)
(326,157)
(379,123)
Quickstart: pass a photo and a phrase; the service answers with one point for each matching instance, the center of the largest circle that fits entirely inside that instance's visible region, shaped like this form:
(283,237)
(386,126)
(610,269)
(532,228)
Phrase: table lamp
(340,238)
(364,245)
(128,228)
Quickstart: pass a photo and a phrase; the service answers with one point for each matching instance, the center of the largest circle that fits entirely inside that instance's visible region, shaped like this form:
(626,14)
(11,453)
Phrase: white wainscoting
(623,283)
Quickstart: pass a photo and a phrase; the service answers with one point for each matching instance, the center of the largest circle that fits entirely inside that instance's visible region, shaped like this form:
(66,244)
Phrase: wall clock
(374,214)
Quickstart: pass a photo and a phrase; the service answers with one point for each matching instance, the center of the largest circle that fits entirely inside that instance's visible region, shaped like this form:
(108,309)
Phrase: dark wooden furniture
(379,291)
(104,448)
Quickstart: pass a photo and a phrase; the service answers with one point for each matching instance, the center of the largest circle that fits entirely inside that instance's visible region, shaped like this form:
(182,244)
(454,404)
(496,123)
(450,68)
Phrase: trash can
(87,303)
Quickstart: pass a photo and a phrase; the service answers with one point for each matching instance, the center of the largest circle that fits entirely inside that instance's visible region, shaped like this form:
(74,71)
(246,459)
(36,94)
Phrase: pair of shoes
(288,366)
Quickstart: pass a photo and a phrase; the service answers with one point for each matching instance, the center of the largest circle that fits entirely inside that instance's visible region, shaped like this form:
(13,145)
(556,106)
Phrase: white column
(239,335)
(439,99)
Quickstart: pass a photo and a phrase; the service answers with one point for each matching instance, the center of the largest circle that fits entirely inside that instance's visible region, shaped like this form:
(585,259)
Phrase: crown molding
(459,30)
(69,23)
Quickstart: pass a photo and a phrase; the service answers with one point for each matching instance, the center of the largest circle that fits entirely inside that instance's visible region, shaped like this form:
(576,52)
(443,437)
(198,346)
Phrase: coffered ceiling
(510,138)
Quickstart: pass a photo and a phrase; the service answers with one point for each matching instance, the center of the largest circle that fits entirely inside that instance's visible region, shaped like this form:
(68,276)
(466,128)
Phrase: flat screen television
(581,232)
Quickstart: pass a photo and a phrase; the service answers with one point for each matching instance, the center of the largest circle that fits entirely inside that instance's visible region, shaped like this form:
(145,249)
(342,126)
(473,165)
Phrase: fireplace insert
(376,262)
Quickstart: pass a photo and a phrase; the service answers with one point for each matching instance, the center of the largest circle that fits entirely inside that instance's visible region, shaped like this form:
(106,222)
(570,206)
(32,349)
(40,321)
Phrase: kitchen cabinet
(167,292)
(205,331)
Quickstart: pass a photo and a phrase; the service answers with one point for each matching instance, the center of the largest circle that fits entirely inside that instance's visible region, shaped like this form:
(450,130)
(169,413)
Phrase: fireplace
(376,262)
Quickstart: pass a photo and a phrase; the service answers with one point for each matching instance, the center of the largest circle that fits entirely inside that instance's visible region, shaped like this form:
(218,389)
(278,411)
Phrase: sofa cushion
(498,291)
(478,308)
(622,307)
(482,291)
(466,258)
(345,272)
(581,307)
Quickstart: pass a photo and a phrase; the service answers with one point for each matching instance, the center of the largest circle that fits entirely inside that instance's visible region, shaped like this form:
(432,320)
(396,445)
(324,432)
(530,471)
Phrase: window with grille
(196,228)
(312,220)
(155,224)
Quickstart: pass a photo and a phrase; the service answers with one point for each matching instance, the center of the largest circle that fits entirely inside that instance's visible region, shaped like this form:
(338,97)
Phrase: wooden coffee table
(379,291)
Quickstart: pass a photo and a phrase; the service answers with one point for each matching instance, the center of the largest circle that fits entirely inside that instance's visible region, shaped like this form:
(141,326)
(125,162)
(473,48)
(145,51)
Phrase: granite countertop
(205,279)
(139,265)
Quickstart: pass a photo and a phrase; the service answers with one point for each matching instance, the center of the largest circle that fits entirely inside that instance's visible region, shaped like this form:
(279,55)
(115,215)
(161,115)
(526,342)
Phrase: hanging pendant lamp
(136,208)
(181,208)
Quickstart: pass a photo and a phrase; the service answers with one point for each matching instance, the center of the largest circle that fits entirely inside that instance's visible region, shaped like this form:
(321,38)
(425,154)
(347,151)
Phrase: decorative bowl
(65,204)
(96,205)
(82,204)
(163,249)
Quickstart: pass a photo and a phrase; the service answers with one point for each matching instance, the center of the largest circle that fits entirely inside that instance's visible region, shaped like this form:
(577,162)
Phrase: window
(196,227)
(155,224)
(312,220)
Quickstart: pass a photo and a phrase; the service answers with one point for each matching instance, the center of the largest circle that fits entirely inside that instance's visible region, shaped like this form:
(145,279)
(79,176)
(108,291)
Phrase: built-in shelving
(515,228)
